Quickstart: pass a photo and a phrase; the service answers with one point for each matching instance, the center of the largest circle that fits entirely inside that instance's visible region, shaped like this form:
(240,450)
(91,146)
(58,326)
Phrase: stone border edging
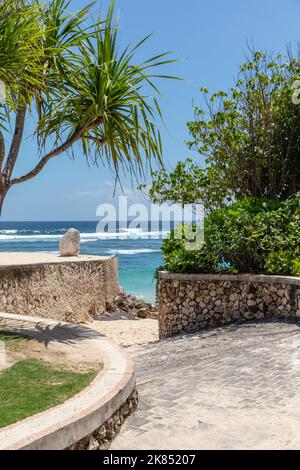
(64,425)
(265,278)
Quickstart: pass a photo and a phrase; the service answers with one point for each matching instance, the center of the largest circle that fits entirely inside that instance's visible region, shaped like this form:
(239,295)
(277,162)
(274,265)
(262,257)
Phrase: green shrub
(252,235)
(247,138)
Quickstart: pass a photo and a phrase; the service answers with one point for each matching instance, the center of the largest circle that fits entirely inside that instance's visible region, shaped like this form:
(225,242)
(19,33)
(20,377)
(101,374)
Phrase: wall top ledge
(166,275)
(30,259)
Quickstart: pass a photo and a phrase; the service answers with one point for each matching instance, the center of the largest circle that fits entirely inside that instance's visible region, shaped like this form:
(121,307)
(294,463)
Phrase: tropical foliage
(70,76)
(252,235)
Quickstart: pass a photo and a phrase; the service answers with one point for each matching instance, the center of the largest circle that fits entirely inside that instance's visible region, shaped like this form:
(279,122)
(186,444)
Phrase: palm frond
(80,82)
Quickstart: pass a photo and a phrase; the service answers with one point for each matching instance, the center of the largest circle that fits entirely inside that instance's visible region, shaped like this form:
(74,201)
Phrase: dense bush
(248,140)
(249,176)
(252,235)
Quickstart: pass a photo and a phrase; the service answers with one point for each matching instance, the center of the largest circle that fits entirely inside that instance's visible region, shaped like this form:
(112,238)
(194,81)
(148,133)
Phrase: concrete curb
(66,424)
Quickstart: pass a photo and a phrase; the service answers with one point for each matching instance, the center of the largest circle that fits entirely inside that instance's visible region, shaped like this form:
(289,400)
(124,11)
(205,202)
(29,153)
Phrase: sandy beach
(128,333)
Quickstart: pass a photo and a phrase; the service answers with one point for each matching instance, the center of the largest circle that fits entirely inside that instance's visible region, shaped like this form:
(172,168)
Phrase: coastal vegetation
(68,78)
(252,235)
(248,178)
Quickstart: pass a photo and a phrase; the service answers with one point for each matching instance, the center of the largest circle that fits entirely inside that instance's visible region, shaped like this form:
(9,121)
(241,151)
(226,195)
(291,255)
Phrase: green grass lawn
(31,386)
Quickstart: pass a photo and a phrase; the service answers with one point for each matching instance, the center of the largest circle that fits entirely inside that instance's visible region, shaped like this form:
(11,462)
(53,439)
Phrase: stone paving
(231,388)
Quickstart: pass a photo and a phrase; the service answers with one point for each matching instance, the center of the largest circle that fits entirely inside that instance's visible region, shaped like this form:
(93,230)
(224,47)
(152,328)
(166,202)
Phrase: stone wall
(102,437)
(58,288)
(192,302)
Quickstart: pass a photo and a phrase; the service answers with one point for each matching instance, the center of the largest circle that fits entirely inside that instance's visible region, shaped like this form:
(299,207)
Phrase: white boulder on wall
(70,243)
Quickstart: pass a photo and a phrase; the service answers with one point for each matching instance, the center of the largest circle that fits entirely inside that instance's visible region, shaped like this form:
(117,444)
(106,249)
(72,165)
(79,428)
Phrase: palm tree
(78,86)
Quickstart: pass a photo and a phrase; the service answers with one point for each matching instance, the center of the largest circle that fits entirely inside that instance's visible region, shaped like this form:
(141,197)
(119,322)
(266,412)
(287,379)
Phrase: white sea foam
(132,252)
(29,238)
(124,234)
(8,232)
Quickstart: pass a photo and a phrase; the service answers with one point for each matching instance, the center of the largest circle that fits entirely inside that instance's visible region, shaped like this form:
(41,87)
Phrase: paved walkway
(233,388)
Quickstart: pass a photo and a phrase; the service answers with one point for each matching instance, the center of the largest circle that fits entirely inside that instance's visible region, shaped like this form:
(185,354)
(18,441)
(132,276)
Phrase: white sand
(128,332)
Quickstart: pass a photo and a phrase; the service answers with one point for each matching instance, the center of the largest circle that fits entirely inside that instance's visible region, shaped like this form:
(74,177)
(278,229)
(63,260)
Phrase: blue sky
(211,39)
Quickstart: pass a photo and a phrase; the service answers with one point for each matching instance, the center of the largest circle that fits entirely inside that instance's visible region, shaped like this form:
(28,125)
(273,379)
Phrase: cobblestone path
(231,388)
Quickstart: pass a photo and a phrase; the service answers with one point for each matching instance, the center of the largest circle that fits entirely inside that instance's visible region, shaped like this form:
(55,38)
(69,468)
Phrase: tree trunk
(3,192)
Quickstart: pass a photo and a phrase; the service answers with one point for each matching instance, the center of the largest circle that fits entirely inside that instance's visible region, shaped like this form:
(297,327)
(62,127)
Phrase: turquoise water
(138,258)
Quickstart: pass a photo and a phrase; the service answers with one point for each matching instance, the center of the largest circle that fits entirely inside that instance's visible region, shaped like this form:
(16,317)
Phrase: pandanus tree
(68,75)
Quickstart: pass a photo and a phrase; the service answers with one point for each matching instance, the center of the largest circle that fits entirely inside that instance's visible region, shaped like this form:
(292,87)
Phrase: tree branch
(15,144)
(97,140)
(77,135)
(2,150)
(45,159)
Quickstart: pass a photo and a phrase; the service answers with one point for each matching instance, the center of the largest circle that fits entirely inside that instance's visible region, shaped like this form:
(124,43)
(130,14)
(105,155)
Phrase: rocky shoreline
(129,307)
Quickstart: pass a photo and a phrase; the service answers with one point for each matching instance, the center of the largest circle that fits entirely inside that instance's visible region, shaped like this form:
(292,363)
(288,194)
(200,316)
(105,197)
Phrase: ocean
(138,258)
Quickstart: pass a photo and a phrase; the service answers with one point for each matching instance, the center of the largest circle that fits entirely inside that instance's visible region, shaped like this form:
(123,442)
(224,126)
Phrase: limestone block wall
(103,436)
(59,288)
(192,302)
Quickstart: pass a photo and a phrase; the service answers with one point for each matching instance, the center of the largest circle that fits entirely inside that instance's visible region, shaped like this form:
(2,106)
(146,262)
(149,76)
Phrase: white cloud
(104,193)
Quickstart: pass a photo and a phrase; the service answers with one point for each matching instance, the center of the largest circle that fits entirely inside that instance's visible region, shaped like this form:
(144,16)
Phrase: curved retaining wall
(90,419)
(48,286)
(192,302)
